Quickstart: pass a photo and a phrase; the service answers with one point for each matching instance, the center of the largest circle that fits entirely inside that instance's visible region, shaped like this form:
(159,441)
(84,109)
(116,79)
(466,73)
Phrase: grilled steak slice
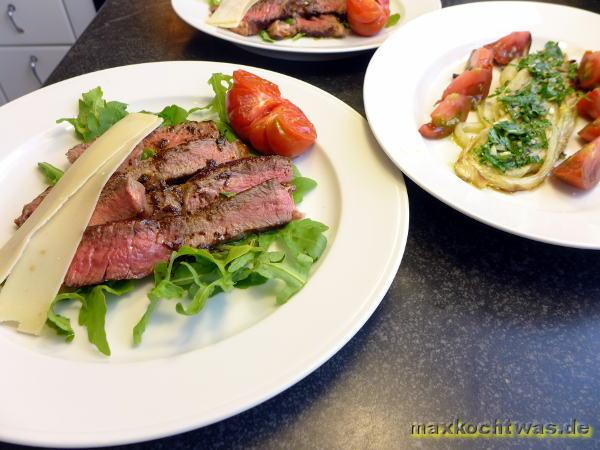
(168,165)
(211,184)
(185,160)
(131,249)
(261,14)
(161,138)
(326,25)
(122,198)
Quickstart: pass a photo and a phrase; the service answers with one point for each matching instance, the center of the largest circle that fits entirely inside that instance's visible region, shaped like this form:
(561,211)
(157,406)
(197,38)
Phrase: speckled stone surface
(478,324)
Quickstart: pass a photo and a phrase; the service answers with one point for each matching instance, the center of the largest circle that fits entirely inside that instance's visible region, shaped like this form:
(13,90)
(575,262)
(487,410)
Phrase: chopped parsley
(518,142)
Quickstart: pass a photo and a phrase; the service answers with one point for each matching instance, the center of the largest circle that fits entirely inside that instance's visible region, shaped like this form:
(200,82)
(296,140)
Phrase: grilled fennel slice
(523,128)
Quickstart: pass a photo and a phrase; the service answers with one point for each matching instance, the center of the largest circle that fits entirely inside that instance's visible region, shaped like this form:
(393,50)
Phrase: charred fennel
(523,128)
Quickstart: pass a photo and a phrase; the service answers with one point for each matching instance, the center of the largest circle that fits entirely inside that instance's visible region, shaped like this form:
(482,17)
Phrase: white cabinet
(30,22)
(34,37)
(27,64)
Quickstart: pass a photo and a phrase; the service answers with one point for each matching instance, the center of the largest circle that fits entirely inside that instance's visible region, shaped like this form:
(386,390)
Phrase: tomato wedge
(474,83)
(589,70)
(582,169)
(481,58)
(272,124)
(509,47)
(591,131)
(589,105)
(449,112)
(367,17)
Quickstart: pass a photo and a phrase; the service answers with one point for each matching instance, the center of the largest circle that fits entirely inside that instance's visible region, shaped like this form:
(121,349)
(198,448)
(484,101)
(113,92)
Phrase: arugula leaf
(96,115)
(52,174)
(214,3)
(195,275)
(302,185)
(393,20)
(221,84)
(227,194)
(92,314)
(265,36)
(297,36)
(147,153)
(290,21)
(174,115)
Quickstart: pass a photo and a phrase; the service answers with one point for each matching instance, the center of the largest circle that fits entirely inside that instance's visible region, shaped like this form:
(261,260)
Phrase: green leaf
(265,36)
(393,20)
(290,21)
(52,174)
(173,115)
(95,115)
(62,324)
(220,84)
(140,327)
(302,185)
(305,237)
(147,153)
(93,316)
(227,194)
(297,36)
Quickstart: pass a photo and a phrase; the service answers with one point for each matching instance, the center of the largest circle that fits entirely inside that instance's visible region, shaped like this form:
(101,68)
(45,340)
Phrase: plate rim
(407,171)
(257,396)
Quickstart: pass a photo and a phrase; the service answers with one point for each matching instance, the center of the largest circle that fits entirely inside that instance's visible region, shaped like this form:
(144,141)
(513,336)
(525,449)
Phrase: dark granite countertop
(478,324)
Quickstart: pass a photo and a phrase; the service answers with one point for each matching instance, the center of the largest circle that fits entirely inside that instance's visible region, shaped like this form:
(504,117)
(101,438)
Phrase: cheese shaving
(38,261)
(230,13)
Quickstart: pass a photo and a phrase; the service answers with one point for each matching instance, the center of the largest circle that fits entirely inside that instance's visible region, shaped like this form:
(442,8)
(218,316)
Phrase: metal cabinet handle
(10,11)
(33,65)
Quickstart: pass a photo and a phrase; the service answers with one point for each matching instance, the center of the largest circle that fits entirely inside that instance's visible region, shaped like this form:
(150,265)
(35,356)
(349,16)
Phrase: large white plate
(410,71)
(242,349)
(195,12)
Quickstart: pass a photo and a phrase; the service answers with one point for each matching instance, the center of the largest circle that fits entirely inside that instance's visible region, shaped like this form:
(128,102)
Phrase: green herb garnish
(227,194)
(147,153)
(297,36)
(52,174)
(96,115)
(393,20)
(174,115)
(265,36)
(302,185)
(290,21)
(221,84)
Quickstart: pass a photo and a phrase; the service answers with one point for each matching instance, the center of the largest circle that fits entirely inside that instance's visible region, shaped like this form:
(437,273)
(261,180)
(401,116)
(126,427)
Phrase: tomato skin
(509,47)
(474,83)
(591,131)
(481,58)
(449,112)
(588,74)
(582,169)
(272,124)
(589,105)
(367,17)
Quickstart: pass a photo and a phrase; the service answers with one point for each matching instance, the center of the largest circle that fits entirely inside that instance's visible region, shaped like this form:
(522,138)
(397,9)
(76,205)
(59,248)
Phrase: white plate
(242,349)
(195,12)
(404,80)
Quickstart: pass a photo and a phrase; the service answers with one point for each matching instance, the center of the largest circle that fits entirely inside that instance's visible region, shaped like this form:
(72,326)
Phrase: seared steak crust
(212,183)
(264,12)
(325,25)
(130,249)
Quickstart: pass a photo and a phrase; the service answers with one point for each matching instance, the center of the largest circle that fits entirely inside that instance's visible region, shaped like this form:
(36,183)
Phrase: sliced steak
(173,164)
(264,12)
(325,25)
(161,138)
(131,249)
(168,165)
(213,183)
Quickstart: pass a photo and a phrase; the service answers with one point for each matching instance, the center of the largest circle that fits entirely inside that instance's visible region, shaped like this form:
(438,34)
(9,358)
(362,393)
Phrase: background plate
(404,80)
(242,349)
(195,12)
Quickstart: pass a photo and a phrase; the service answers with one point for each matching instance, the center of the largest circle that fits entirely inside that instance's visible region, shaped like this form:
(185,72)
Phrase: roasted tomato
(482,58)
(582,169)
(367,17)
(589,70)
(272,124)
(509,47)
(449,112)
(474,83)
(589,105)
(591,131)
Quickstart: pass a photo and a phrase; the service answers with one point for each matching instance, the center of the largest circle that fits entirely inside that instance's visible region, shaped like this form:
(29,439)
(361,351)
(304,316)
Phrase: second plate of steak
(130,249)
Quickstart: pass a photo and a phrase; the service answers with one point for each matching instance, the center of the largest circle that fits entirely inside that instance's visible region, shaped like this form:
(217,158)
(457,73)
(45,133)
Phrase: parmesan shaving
(230,13)
(42,256)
